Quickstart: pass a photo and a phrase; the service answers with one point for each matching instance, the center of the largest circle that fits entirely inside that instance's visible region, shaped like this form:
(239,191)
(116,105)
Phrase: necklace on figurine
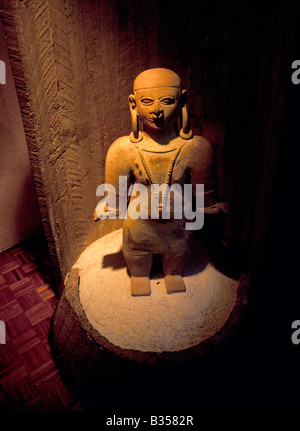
(166,185)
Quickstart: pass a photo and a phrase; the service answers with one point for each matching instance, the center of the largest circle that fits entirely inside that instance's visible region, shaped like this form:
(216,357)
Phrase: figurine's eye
(167,101)
(146,101)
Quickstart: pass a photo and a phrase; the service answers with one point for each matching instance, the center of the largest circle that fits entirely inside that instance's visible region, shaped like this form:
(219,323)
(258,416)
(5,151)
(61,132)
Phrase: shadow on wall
(19,213)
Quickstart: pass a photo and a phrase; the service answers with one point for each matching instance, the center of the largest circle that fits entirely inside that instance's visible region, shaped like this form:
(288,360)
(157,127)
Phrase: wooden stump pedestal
(89,360)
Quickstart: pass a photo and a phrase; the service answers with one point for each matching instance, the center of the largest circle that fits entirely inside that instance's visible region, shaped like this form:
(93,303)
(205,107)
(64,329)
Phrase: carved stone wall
(74,63)
(19,214)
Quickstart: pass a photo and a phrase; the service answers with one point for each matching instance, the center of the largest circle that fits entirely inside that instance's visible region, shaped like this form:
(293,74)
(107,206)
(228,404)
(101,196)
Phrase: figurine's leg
(173,267)
(140,267)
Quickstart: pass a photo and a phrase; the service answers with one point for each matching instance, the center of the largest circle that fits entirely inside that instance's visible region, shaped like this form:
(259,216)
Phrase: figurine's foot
(140,286)
(174,283)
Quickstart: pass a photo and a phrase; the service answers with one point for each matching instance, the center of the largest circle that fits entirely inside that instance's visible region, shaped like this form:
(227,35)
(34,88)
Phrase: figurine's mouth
(159,123)
(158,120)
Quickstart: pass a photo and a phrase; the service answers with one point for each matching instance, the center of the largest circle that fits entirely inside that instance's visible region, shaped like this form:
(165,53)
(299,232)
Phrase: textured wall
(74,63)
(19,213)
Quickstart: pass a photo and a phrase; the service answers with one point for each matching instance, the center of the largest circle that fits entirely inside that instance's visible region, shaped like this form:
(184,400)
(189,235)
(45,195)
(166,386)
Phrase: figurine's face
(158,107)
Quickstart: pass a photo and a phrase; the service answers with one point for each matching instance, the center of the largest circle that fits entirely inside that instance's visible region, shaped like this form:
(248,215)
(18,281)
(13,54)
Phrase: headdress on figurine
(158,77)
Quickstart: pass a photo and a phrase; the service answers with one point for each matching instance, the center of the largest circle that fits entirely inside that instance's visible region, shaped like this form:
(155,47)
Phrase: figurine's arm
(118,169)
(203,171)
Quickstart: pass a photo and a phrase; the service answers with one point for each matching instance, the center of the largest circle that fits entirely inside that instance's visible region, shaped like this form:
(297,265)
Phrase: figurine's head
(157,100)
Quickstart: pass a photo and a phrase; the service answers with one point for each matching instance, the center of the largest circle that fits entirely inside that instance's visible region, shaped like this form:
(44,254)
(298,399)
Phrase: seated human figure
(159,156)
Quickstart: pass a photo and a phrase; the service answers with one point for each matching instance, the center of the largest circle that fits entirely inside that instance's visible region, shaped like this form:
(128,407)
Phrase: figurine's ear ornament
(135,135)
(185,131)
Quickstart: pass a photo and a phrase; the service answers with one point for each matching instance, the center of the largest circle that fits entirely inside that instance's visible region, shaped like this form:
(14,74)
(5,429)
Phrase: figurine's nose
(156,109)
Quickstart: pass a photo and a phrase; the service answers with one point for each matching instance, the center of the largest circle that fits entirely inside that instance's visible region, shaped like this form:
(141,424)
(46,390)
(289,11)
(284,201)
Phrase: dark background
(242,98)
(235,61)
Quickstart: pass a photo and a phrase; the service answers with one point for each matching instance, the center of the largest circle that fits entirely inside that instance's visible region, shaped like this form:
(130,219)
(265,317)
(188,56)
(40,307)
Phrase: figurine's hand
(99,215)
(95,217)
(218,208)
(222,207)
(103,213)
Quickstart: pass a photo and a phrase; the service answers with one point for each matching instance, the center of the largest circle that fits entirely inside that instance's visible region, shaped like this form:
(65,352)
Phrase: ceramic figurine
(156,158)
